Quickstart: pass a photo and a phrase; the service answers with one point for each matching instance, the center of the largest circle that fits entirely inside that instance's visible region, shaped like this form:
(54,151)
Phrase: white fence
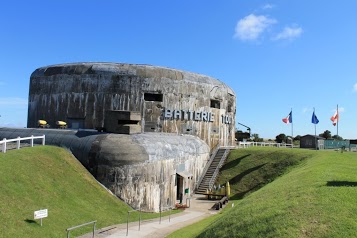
(18,140)
(269,144)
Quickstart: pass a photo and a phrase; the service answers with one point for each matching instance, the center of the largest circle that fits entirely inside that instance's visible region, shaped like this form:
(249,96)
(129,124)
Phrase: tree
(256,138)
(326,134)
(297,137)
(280,138)
(337,137)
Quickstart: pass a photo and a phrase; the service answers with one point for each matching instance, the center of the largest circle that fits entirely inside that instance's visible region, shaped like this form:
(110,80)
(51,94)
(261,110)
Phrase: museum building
(145,132)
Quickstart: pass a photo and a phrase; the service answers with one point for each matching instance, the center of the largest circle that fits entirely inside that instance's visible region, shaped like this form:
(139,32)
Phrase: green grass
(50,177)
(248,170)
(316,198)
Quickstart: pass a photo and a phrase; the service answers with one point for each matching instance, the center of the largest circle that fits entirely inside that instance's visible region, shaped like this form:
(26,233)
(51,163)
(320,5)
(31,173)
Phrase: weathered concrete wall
(151,183)
(140,169)
(81,93)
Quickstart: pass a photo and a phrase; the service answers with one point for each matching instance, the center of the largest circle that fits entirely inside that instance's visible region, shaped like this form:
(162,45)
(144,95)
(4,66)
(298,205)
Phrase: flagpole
(292,130)
(338,118)
(315,130)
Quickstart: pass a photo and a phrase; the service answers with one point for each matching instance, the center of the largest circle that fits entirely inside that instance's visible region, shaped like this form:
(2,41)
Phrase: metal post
(93,229)
(160,215)
(127,224)
(43,140)
(170,214)
(139,217)
(31,141)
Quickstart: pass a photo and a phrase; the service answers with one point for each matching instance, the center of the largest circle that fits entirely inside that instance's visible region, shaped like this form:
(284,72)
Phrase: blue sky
(276,55)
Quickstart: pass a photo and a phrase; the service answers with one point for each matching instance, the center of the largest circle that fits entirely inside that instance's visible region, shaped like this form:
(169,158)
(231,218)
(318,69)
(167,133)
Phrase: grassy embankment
(50,177)
(316,198)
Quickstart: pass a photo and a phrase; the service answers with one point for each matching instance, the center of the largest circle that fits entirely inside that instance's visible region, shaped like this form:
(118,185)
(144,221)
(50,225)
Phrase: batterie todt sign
(194,116)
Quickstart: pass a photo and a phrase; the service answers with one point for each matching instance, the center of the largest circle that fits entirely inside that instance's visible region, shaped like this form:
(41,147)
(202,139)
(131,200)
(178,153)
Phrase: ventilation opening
(215,104)
(122,122)
(230,103)
(153,97)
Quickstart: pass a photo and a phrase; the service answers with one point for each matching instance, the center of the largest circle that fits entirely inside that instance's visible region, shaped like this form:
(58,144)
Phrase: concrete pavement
(200,208)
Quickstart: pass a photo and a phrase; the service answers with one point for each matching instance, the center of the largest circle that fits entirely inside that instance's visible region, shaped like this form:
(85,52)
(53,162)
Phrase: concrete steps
(211,173)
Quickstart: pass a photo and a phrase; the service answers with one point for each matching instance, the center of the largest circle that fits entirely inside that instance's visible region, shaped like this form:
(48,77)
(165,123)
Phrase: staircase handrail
(213,178)
(208,164)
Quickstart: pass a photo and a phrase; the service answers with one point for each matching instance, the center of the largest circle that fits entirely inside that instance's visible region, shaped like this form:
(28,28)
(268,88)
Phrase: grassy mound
(247,170)
(317,198)
(50,177)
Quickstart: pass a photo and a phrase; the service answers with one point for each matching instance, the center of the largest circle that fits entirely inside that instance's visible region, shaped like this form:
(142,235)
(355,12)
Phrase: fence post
(4,145)
(31,141)
(18,142)
(43,140)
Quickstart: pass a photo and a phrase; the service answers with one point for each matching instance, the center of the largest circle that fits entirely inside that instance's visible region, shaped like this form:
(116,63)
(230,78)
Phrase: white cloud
(289,33)
(252,26)
(268,6)
(306,109)
(355,87)
(13,101)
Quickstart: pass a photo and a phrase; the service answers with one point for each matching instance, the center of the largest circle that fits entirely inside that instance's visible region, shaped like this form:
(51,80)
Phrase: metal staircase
(211,170)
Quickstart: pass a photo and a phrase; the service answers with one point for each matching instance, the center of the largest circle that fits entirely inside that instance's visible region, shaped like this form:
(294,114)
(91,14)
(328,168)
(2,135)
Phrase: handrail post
(75,227)
(170,214)
(127,224)
(160,215)
(93,229)
(139,216)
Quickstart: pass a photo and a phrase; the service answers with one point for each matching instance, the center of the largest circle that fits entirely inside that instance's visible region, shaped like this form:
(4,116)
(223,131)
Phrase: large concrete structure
(160,125)
(166,100)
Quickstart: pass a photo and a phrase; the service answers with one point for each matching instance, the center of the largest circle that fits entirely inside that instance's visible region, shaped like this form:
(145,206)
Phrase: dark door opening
(179,187)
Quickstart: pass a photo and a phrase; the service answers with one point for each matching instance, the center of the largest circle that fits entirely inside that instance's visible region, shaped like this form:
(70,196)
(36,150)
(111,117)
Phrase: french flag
(335,118)
(289,118)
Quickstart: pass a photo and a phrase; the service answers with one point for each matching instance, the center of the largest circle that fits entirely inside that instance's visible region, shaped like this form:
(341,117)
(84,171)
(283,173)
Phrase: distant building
(312,142)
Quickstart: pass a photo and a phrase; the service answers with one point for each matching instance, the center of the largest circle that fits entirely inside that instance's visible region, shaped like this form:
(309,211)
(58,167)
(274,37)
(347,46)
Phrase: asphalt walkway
(199,209)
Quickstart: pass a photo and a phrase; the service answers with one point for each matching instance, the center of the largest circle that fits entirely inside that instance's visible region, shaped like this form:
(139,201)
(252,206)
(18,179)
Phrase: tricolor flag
(289,118)
(314,119)
(335,118)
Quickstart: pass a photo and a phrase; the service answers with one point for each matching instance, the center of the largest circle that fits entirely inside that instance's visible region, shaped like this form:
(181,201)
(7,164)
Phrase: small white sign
(40,214)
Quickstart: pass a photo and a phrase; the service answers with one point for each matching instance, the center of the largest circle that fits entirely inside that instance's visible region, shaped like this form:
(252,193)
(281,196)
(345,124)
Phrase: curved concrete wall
(81,93)
(140,169)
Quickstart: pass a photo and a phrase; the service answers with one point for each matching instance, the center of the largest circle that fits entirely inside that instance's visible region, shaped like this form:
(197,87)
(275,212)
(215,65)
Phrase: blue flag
(314,119)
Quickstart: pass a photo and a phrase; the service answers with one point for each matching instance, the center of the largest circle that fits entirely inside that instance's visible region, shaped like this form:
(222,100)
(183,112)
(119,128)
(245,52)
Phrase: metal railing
(208,164)
(213,178)
(128,217)
(18,141)
(85,224)
(170,209)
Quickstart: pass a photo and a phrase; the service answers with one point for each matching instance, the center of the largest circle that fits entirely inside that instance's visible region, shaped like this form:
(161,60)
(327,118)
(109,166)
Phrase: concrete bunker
(145,132)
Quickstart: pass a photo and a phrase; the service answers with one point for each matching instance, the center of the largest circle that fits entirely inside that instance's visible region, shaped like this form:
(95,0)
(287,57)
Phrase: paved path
(200,208)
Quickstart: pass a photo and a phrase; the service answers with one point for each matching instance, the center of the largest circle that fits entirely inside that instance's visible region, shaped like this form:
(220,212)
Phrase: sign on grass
(40,214)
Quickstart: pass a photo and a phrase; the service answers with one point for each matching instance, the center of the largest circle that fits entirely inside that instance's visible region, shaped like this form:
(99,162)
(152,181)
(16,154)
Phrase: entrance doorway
(179,187)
